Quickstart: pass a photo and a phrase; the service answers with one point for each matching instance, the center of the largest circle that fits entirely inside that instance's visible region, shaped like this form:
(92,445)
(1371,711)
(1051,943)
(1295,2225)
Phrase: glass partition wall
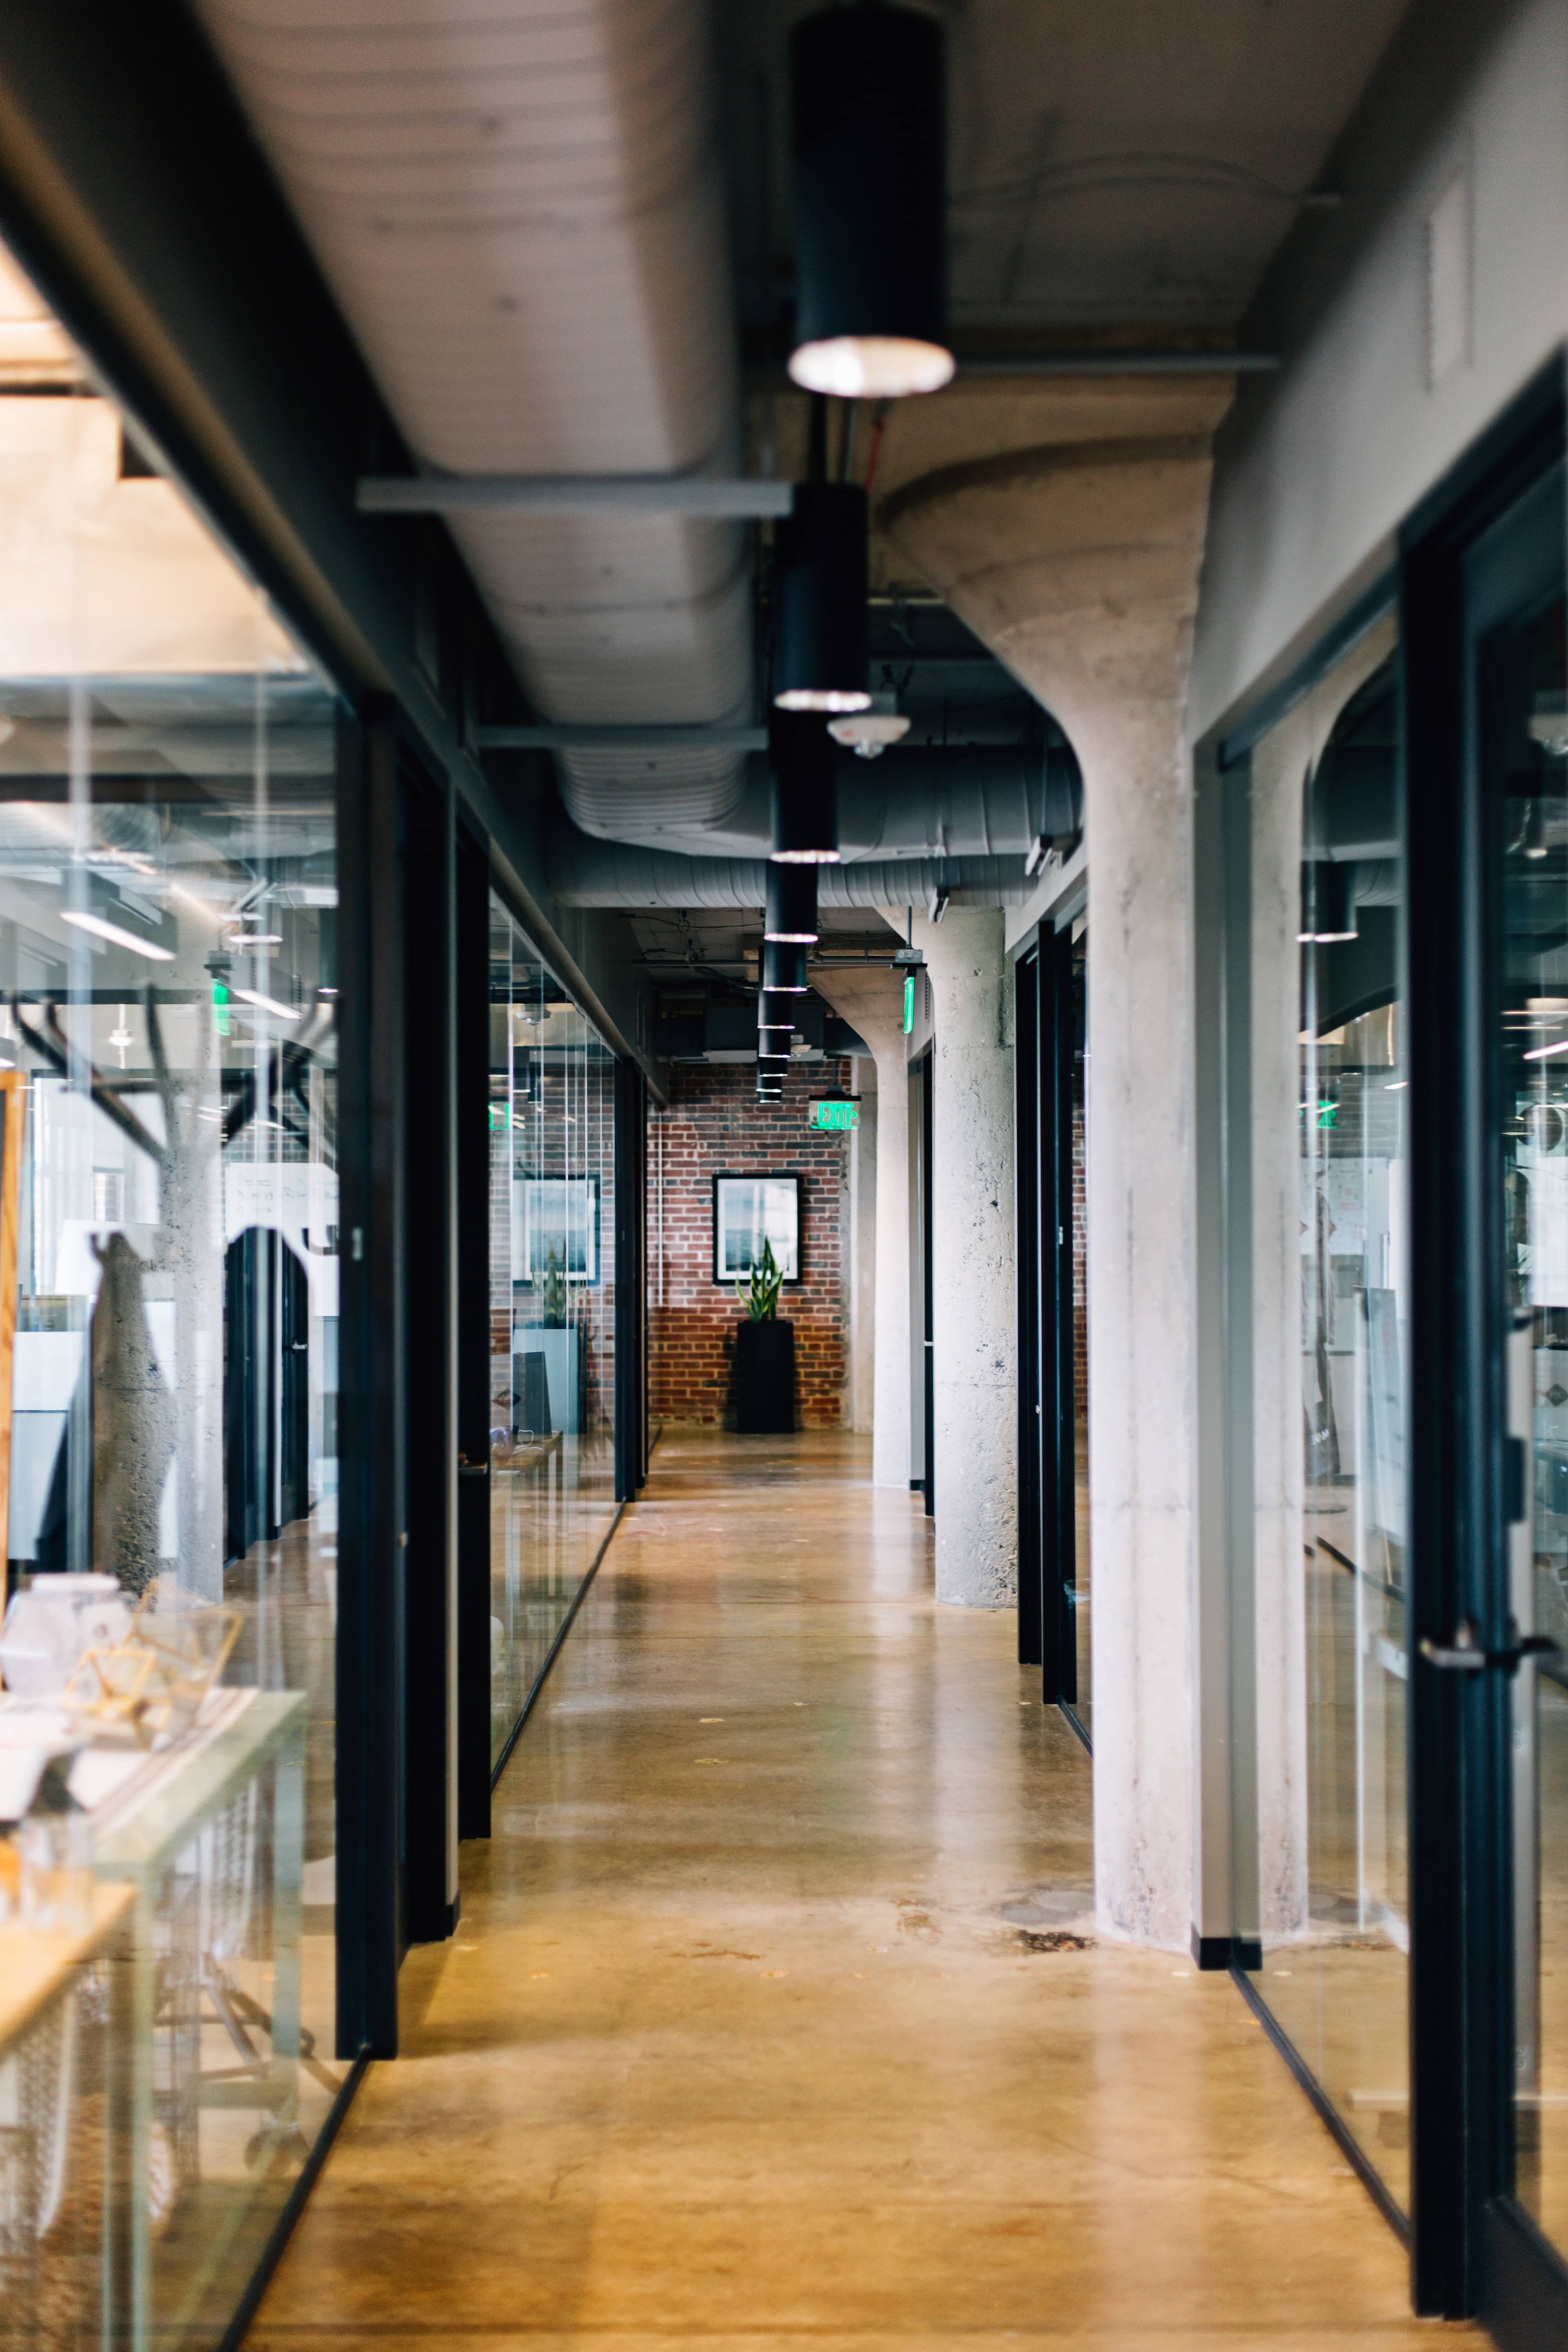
(552,1313)
(168,1379)
(1324,1824)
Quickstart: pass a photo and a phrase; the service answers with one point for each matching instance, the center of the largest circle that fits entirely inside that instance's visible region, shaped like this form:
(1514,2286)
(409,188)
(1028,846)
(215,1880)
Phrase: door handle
(1466,1655)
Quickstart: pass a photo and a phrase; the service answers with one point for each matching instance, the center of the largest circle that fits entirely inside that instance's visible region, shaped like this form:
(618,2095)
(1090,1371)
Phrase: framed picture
(555,1228)
(13,1124)
(749,1211)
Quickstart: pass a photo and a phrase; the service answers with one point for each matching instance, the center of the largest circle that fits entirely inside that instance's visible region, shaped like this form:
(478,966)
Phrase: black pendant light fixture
(773,1010)
(784,969)
(1328,901)
(821,581)
(867,129)
(803,756)
(791,912)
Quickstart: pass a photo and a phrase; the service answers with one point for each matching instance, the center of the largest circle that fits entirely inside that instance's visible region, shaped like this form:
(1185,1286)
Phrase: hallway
(768,2018)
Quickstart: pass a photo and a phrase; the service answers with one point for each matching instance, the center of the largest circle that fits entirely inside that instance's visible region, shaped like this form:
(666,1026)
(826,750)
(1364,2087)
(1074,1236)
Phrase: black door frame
(1047,1466)
(1472,2247)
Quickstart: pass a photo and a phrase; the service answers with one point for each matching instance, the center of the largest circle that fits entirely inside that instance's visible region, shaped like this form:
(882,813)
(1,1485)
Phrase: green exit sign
(834,1118)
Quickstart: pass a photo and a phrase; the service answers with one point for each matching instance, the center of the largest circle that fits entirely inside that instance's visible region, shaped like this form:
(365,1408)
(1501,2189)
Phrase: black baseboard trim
(917,1486)
(283,2228)
(1365,2172)
(1213,1953)
(1076,1724)
(1524,2302)
(498,1767)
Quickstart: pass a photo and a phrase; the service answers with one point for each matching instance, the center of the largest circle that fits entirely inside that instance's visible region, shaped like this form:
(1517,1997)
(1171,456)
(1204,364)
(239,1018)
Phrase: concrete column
(872,1002)
(973,1304)
(1078,564)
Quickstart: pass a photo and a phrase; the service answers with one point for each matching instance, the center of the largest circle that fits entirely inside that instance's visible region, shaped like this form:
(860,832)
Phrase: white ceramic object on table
(48,1628)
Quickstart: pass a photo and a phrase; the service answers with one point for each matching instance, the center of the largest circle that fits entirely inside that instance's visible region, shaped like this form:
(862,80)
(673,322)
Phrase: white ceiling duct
(518,207)
(584,873)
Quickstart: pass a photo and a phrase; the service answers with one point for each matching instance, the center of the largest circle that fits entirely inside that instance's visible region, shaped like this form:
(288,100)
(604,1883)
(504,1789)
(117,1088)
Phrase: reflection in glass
(1331,1299)
(551,1312)
(168,1255)
(1521,711)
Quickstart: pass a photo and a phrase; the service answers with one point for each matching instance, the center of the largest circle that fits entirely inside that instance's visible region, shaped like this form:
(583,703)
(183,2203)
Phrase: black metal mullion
(471,980)
(1029,1191)
(369,1646)
(1058,1239)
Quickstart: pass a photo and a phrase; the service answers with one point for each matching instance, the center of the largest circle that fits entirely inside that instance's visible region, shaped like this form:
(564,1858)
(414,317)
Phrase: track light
(784,969)
(791,915)
(868,140)
(804,790)
(821,581)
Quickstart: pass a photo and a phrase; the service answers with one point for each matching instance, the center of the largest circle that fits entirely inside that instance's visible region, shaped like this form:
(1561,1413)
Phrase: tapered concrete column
(860,1363)
(1078,564)
(872,1002)
(973,1304)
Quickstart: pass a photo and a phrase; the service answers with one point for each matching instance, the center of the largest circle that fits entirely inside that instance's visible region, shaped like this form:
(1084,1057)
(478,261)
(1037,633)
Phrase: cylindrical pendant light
(821,583)
(1328,901)
(784,969)
(867,123)
(791,913)
(804,790)
(773,1010)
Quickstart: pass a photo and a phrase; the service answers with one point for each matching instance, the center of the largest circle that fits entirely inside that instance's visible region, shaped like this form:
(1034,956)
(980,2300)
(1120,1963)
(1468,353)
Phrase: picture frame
(558,1214)
(752,1207)
(13,1129)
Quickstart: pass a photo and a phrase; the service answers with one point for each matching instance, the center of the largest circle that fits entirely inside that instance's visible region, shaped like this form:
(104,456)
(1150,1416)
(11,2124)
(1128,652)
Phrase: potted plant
(764,1354)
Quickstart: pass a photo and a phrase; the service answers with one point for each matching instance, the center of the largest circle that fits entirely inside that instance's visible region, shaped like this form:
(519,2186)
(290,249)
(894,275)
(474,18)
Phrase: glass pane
(1330,1305)
(168,1344)
(1521,716)
(552,1311)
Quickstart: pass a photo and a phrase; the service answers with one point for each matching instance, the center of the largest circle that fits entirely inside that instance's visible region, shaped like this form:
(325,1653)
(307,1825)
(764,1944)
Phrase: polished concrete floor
(775,2019)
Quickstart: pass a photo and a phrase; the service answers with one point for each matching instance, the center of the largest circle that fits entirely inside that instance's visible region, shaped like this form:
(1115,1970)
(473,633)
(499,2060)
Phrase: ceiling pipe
(922,800)
(584,873)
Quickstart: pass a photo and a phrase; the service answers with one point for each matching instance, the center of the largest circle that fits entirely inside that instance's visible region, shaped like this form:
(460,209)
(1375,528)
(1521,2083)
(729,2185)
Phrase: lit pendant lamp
(1328,902)
(804,790)
(821,581)
(784,969)
(867,134)
(791,914)
(773,1010)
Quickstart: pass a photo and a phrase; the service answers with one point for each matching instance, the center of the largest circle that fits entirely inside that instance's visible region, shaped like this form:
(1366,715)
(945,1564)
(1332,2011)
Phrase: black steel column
(631,1280)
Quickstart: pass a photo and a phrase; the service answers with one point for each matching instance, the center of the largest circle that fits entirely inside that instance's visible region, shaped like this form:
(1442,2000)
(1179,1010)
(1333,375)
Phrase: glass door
(1517,741)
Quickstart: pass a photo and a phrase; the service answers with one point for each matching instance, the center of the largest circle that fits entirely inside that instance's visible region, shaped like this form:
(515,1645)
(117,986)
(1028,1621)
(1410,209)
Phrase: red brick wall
(716,1126)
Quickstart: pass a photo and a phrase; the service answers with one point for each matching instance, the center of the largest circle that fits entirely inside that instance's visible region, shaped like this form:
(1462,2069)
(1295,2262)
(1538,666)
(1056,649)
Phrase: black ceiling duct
(804,789)
(791,915)
(821,581)
(784,969)
(868,137)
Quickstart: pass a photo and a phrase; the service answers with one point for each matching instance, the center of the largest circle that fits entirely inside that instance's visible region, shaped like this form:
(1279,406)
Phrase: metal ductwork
(971,800)
(518,207)
(587,873)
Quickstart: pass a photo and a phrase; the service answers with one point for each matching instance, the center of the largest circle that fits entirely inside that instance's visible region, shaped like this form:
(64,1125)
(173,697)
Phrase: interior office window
(1326,1862)
(1521,703)
(552,1388)
(168,1352)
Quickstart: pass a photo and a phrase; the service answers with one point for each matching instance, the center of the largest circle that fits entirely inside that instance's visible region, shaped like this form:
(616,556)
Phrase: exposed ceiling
(1112,164)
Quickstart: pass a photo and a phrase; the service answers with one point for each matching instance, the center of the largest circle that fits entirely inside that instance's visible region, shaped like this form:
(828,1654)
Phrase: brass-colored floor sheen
(761,2029)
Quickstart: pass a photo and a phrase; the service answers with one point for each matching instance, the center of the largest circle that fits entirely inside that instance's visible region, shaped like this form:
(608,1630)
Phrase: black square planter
(764,1378)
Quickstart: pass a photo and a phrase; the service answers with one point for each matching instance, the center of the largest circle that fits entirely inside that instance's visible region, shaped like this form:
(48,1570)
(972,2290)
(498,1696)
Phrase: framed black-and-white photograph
(749,1211)
(555,1228)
